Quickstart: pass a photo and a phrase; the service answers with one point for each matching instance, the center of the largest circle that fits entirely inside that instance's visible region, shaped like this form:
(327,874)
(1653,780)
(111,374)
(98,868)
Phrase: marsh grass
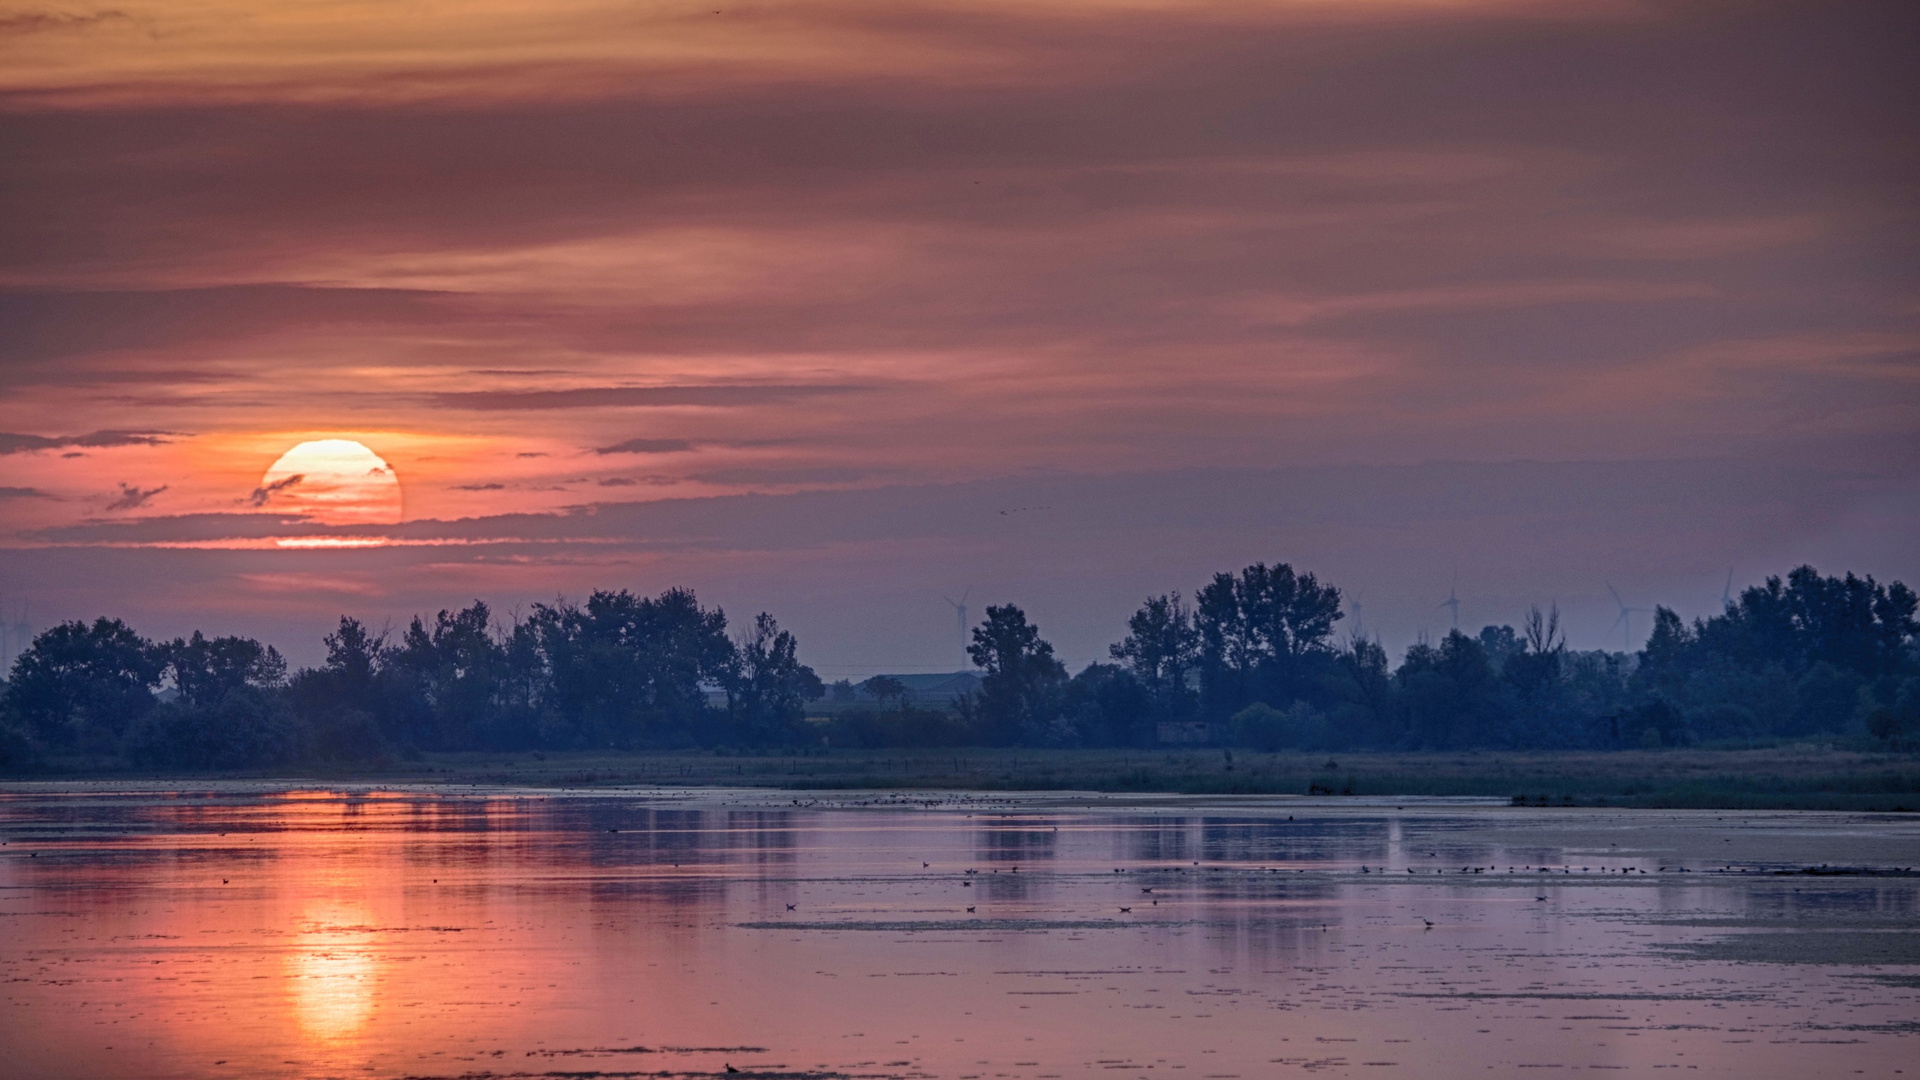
(1776,777)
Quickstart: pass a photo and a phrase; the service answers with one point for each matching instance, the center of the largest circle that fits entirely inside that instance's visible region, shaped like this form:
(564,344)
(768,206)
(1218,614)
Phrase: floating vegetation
(922,925)
(1840,947)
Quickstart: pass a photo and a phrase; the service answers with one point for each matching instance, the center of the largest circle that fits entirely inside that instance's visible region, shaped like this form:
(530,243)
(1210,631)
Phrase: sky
(841,309)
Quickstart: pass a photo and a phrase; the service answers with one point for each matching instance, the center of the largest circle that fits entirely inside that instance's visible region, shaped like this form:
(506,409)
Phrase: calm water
(248,931)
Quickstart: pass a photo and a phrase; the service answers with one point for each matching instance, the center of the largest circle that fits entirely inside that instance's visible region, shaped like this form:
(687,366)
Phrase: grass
(1778,777)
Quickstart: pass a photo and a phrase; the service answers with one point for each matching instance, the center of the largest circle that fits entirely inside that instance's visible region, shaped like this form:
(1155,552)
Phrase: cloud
(11,443)
(646,446)
(263,494)
(297,582)
(132,497)
(605,397)
(180,529)
(1084,238)
(24,493)
(128,333)
(33,22)
(1131,511)
(479,487)
(656,480)
(818,474)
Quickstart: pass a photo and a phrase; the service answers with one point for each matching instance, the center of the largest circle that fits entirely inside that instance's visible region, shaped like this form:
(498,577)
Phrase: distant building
(922,692)
(938,691)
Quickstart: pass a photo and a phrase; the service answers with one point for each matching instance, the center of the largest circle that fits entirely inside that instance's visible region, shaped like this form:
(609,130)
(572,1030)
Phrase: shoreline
(1772,778)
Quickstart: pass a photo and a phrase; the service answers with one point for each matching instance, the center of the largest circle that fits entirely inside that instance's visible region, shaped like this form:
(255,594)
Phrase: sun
(332,482)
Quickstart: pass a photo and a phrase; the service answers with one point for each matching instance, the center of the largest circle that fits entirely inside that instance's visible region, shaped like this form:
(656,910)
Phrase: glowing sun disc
(334,482)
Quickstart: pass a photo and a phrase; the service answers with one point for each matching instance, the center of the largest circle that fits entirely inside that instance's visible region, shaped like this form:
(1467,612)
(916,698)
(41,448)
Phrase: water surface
(245,930)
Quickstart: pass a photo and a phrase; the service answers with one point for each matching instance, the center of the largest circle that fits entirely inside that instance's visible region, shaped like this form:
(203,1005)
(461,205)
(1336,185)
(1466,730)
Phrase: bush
(1724,720)
(902,727)
(348,736)
(248,728)
(16,749)
(1260,726)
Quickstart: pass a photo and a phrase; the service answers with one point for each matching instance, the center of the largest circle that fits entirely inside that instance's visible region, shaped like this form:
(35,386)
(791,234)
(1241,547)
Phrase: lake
(249,930)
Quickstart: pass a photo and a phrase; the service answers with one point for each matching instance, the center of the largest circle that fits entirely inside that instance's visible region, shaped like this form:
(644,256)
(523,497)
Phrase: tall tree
(768,687)
(630,671)
(343,703)
(1450,694)
(1161,649)
(204,670)
(228,711)
(451,677)
(1260,635)
(1019,696)
(79,686)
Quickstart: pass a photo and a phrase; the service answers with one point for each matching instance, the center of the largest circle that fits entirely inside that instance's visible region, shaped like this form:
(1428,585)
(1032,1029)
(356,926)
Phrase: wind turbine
(1359,624)
(1726,592)
(14,636)
(1625,621)
(960,616)
(1452,601)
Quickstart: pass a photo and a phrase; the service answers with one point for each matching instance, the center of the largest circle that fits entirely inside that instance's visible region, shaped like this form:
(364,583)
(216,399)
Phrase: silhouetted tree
(227,712)
(628,671)
(1107,705)
(1161,648)
(1801,655)
(1265,635)
(449,681)
(1797,656)
(1450,694)
(1019,696)
(1533,672)
(768,687)
(205,670)
(1359,693)
(341,703)
(885,688)
(79,686)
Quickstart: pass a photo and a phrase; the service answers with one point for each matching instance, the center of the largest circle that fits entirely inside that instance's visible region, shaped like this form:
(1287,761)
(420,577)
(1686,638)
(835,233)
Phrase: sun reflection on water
(331,972)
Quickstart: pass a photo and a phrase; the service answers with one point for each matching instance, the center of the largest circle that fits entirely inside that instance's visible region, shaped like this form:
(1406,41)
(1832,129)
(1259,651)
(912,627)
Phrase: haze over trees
(1254,661)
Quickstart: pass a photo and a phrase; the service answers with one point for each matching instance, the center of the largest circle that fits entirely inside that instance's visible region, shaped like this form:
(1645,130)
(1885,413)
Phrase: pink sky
(790,302)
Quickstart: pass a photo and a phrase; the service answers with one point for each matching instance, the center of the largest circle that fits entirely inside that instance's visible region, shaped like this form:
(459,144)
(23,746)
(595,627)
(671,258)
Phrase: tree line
(1254,660)
(619,671)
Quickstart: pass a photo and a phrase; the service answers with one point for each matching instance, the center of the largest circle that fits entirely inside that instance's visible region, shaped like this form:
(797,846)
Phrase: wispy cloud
(23,493)
(11,443)
(838,246)
(132,496)
(618,397)
(645,446)
(776,476)
(260,496)
(31,22)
